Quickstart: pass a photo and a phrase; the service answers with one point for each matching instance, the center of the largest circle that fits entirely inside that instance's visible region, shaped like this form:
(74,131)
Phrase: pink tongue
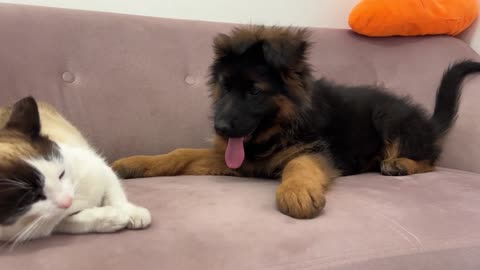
(234,154)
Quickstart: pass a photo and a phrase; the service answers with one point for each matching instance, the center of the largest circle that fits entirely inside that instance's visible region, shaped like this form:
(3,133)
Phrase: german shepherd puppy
(272,119)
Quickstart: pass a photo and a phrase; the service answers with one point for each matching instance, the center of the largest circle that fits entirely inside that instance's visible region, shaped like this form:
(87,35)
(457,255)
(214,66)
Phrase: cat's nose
(65,202)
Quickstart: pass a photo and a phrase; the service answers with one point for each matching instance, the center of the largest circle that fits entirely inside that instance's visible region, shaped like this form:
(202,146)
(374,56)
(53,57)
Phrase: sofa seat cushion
(427,221)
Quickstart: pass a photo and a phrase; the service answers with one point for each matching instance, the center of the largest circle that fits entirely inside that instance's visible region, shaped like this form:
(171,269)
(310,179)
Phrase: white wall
(321,13)
(325,13)
(472,35)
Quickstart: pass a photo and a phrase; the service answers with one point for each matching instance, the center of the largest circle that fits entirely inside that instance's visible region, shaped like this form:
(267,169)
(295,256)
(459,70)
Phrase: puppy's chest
(268,160)
(261,152)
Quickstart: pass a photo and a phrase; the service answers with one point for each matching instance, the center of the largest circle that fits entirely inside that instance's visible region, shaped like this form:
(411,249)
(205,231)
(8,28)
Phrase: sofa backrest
(137,85)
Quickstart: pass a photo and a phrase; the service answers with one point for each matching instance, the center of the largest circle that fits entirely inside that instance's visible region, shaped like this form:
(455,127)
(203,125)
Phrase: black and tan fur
(302,130)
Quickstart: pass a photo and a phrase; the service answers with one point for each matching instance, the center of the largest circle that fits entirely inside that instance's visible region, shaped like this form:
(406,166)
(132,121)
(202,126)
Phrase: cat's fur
(52,180)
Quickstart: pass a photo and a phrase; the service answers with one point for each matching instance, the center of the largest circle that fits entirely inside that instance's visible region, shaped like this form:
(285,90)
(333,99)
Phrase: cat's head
(33,179)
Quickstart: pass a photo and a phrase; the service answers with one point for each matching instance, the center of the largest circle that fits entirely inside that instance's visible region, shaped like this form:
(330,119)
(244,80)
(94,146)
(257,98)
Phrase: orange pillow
(380,18)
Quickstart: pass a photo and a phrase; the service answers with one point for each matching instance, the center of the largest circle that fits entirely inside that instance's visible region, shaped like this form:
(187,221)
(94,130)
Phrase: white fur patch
(99,202)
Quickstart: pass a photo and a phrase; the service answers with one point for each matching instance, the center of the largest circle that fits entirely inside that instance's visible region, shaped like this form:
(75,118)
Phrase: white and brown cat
(52,180)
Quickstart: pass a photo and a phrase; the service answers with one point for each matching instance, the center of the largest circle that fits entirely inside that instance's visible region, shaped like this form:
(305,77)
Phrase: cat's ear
(25,117)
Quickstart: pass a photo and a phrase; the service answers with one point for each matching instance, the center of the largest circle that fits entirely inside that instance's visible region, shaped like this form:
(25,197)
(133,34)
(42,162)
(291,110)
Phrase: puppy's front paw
(139,217)
(300,200)
(131,167)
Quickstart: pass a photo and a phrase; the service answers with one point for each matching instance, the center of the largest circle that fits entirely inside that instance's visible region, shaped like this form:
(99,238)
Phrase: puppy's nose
(223,127)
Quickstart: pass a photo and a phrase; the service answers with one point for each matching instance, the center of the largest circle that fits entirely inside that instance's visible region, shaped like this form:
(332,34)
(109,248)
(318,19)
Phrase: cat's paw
(110,219)
(105,219)
(139,217)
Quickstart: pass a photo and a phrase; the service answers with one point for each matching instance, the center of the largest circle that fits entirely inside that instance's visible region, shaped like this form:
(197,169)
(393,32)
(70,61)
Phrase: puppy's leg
(304,182)
(395,165)
(177,162)
(410,145)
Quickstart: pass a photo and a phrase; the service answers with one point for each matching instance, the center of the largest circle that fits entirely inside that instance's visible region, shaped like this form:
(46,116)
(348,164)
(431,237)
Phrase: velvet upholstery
(137,85)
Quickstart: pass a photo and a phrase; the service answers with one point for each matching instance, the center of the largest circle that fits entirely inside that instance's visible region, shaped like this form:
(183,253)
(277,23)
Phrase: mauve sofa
(137,85)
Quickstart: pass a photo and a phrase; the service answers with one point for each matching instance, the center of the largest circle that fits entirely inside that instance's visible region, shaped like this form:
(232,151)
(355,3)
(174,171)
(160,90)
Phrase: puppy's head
(260,81)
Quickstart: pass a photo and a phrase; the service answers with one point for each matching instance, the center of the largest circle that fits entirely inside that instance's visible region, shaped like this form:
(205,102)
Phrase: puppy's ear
(222,45)
(287,49)
(240,40)
(282,48)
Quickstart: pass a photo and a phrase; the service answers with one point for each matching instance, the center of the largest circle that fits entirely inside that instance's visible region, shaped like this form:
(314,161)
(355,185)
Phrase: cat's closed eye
(61,175)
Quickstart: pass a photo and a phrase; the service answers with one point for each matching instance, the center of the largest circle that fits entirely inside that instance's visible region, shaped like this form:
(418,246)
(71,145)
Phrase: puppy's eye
(254,91)
(61,175)
(226,88)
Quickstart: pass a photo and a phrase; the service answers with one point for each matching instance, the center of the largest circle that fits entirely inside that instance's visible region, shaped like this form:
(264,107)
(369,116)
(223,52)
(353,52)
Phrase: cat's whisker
(22,237)
(19,233)
(13,181)
(37,228)
(12,185)
(16,239)
(80,197)
(34,230)
(9,182)
(3,190)
(75,187)
(21,198)
(31,232)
